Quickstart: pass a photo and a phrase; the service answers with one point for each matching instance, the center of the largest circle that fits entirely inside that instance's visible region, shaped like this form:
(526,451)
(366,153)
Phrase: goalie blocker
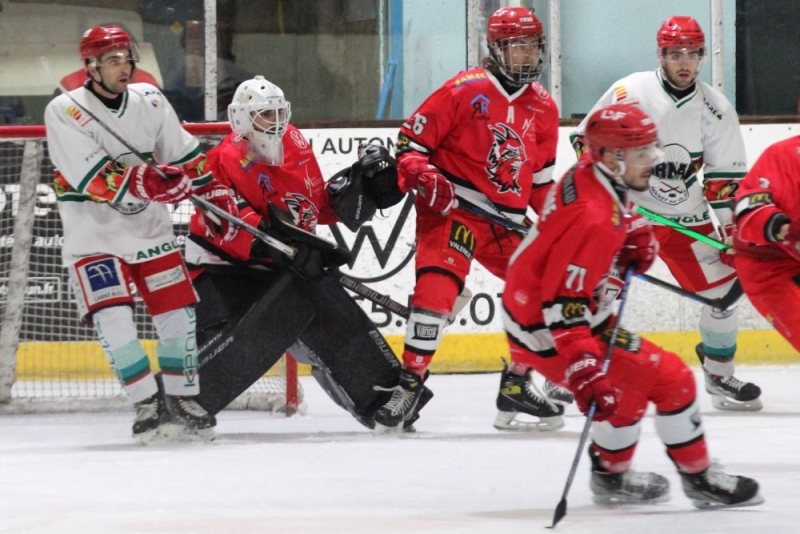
(318,320)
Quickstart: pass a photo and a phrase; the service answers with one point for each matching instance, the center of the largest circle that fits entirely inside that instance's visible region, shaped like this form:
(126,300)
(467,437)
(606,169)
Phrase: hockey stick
(216,213)
(666,221)
(721,303)
(561,509)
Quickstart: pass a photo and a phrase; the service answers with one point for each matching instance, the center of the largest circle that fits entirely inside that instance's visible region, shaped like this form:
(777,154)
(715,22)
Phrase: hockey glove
(433,189)
(640,248)
(146,183)
(223,198)
(590,384)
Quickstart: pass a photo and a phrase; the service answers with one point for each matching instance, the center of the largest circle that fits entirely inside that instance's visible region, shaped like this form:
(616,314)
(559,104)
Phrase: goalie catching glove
(368,185)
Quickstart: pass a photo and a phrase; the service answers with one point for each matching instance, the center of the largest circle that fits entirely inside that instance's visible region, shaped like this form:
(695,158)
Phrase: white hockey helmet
(260,113)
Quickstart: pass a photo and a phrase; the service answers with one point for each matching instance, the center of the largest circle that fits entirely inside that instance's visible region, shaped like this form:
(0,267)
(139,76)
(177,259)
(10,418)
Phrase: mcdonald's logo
(572,311)
(462,239)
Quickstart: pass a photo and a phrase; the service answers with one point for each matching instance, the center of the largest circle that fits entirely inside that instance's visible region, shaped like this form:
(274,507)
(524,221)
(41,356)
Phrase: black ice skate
(424,398)
(193,418)
(728,392)
(713,488)
(519,395)
(150,414)
(630,487)
(405,397)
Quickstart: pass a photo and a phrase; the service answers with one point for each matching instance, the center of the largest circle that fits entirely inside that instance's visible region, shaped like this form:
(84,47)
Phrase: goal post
(49,361)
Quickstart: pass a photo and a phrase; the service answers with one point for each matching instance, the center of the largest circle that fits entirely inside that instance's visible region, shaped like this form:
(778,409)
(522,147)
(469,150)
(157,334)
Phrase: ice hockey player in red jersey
(767,238)
(557,312)
(255,302)
(118,230)
(488,136)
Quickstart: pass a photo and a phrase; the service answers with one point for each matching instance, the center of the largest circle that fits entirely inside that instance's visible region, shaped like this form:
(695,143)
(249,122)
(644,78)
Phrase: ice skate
(713,488)
(519,395)
(151,413)
(192,419)
(401,406)
(728,392)
(424,398)
(557,394)
(630,487)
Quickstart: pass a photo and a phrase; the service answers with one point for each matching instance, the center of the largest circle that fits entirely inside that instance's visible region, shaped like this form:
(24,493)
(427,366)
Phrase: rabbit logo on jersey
(506,158)
(669,182)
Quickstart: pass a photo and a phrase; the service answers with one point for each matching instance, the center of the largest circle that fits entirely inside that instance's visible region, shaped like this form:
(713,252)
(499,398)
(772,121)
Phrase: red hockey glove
(223,198)
(145,183)
(640,248)
(590,384)
(436,191)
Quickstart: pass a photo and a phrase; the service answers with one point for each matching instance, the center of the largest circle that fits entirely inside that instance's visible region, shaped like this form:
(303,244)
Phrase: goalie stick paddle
(561,509)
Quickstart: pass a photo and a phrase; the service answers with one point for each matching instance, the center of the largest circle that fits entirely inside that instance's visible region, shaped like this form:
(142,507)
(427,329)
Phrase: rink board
(459,353)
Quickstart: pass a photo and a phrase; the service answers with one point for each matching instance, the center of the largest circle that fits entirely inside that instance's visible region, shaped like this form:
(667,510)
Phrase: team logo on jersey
(264,182)
(304,212)
(480,107)
(298,139)
(462,240)
(506,158)
(671,178)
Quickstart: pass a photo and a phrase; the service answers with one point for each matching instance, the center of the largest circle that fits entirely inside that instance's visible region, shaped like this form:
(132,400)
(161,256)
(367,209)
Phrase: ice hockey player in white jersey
(699,130)
(118,230)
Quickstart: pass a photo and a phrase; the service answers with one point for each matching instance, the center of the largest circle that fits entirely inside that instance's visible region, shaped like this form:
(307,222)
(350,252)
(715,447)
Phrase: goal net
(49,361)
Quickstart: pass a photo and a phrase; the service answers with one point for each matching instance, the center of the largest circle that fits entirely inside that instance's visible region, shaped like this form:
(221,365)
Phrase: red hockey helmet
(103,39)
(514,30)
(680,31)
(619,126)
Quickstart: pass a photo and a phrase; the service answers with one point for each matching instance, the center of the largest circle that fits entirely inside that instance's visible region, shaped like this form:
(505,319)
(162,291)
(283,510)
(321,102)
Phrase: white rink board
(650,308)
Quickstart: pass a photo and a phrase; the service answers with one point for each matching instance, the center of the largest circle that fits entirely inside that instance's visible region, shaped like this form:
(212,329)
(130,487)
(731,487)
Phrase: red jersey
(78,78)
(771,188)
(490,144)
(297,186)
(557,286)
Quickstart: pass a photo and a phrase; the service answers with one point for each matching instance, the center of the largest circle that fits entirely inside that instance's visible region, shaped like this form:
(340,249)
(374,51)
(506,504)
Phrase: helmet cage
(523,66)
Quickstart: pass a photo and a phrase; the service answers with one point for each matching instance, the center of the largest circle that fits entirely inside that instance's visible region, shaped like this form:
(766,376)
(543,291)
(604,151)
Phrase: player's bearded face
(681,65)
(114,69)
(521,54)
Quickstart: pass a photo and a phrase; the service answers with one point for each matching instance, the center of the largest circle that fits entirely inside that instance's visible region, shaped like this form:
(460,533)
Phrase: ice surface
(323,472)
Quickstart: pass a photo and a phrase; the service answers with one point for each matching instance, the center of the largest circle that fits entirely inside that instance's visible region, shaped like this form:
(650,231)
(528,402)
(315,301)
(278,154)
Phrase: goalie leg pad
(236,348)
(349,347)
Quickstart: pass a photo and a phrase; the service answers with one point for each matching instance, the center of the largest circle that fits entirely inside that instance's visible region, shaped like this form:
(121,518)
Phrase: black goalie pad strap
(349,345)
(237,349)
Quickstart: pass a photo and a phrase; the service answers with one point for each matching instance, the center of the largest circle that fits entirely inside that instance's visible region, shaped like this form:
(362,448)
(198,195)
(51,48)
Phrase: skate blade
(172,433)
(508,421)
(705,505)
(721,402)
(614,500)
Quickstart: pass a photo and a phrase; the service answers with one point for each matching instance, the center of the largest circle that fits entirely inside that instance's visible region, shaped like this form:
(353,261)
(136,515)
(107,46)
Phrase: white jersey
(80,148)
(699,131)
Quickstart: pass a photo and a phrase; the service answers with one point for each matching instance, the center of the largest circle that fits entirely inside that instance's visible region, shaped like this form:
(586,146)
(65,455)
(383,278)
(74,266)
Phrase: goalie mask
(260,113)
(515,38)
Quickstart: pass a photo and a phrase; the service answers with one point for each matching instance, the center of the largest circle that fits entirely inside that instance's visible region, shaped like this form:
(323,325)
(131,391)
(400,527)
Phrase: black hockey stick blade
(561,511)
